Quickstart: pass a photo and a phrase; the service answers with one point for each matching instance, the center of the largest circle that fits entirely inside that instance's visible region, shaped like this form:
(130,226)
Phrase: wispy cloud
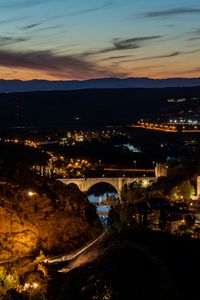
(6,40)
(188,71)
(194,38)
(196,31)
(66,66)
(116,57)
(30,26)
(194,35)
(124,44)
(149,67)
(173,12)
(12,20)
(158,56)
(47,28)
(93,9)
(169,55)
(192,51)
(24,3)
(195,70)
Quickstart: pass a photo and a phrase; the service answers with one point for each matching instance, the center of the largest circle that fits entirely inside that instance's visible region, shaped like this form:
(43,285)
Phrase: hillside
(38,217)
(91,108)
(54,219)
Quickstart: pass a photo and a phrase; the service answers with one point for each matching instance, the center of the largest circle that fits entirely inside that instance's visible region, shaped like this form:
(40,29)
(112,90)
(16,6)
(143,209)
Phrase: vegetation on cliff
(38,215)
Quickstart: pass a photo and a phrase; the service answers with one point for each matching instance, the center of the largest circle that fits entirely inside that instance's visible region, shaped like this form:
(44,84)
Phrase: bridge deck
(130,170)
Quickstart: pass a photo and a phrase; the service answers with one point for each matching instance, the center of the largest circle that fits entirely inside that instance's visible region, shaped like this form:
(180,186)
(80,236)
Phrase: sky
(83,39)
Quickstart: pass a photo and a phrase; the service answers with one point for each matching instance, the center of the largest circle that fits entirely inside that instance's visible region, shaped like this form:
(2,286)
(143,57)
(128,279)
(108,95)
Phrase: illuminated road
(69,257)
(167,127)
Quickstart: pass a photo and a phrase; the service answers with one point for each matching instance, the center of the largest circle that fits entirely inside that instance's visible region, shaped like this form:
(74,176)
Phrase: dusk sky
(82,39)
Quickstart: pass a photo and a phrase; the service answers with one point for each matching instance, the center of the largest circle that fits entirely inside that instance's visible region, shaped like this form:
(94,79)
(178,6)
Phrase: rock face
(54,219)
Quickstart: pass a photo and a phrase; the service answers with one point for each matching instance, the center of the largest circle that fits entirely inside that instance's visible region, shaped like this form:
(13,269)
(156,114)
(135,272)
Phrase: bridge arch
(73,184)
(84,184)
(105,187)
(105,181)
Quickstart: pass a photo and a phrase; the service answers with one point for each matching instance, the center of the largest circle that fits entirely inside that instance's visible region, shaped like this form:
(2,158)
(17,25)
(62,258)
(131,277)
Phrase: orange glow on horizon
(30,74)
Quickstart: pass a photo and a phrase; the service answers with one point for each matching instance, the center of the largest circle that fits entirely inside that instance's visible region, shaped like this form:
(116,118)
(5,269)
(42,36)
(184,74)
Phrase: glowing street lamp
(35,285)
(30,193)
(30,286)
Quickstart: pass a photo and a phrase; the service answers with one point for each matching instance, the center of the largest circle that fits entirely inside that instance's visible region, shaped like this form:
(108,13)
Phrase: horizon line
(98,78)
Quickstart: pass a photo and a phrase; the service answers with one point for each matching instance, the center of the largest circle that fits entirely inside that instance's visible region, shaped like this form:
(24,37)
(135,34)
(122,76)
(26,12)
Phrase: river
(102,195)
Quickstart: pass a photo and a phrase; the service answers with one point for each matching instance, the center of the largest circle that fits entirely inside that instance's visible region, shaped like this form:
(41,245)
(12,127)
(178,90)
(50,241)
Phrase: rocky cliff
(52,218)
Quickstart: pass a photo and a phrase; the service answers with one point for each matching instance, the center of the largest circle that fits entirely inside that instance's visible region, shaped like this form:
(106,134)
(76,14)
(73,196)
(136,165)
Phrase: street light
(30,193)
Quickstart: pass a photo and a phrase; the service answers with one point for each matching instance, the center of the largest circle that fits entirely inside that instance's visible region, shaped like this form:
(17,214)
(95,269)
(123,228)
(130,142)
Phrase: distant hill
(92,107)
(9,86)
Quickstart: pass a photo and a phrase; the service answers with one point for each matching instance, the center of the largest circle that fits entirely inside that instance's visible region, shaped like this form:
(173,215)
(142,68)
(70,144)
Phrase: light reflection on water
(130,147)
(101,208)
(93,198)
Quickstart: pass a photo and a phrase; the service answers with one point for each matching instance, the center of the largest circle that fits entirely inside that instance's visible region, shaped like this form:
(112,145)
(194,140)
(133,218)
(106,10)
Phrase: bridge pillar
(198,186)
(161,170)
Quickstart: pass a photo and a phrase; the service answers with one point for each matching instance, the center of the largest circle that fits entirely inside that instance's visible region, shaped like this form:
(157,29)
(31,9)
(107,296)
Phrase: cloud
(149,67)
(85,11)
(195,69)
(159,56)
(188,71)
(24,3)
(6,40)
(192,51)
(194,35)
(30,26)
(196,31)
(173,12)
(116,57)
(47,28)
(172,54)
(66,66)
(124,44)
(194,38)
(11,20)
(153,57)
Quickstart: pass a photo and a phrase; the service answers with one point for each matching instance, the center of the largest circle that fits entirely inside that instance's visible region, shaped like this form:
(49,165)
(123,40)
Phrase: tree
(133,192)
(183,191)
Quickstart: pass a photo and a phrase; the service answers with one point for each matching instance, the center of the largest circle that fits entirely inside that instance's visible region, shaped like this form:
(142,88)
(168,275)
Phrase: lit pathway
(69,257)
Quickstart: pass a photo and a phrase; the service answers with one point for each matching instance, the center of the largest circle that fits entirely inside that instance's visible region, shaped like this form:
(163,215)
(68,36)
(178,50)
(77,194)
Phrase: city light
(173,125)
(35,285)
(30,193)
(29,286)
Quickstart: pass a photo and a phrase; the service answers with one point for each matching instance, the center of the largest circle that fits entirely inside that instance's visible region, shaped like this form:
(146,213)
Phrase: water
(130,147)
(102,195)
(94,198)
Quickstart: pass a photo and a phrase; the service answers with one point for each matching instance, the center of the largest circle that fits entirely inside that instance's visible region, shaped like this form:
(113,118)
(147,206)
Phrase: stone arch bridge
(84,184)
